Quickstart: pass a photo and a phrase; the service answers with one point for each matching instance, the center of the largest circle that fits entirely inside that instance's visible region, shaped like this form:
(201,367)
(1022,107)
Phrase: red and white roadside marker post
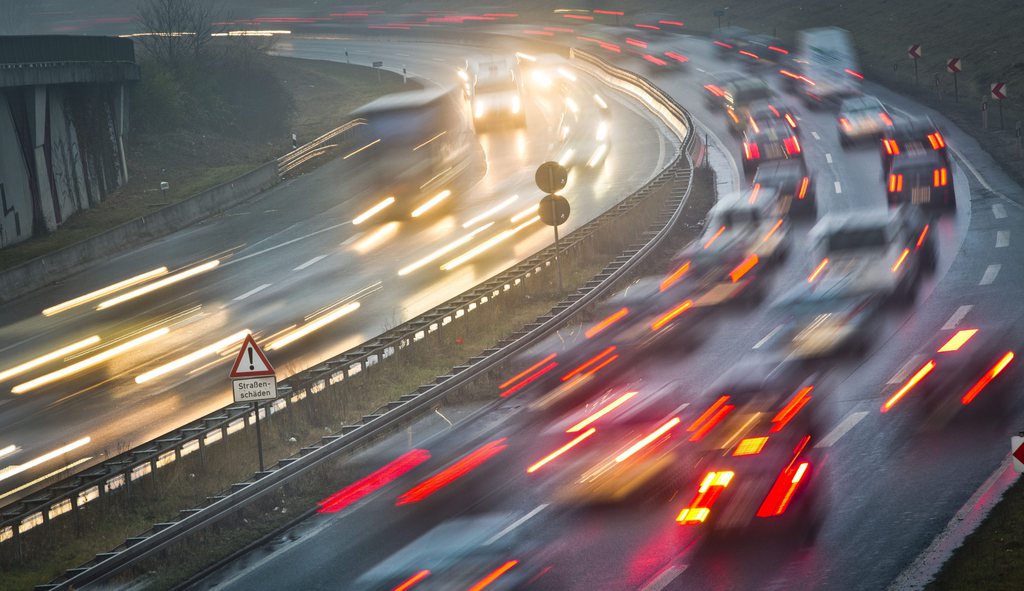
(253,379)
(1017,451)
(998,90)
(914,51)
(954,66)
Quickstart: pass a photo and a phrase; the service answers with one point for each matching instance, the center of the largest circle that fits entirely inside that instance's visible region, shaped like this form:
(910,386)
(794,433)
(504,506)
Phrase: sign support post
(914,51)
(253,380)
(259,436)
(553,209)
(558,248)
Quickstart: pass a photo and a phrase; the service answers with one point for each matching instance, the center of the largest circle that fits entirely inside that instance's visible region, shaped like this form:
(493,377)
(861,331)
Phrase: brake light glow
(636,42)
(673,23)
(751,151)
(781,493)
(650,438)
(516,378)
(885,118)
(590,362)
(895,183)
(723,44)
(551,456)
(778,49)
(652,27)
(817,270)
(958,340)
(713,238)
(610,12)
(917,377)
(526,382)
(751,446)
(784,416)
(935,139)
(655,60)
(792,145)
(899,261)
(671,315)
(408,583)
(771,232)
(803,187)
(602,412)
(920,239)
(845,123)
(749,54)
(715,90)
(610,320)
(452,473)
(376,480)
(854,74)
(711,422)
(753,193)
(988,377)
(789,119)
(675,276)
(677,56)
(939,177)
(892,148)
(743,268)
(790,74)
(710,488)
(496,573)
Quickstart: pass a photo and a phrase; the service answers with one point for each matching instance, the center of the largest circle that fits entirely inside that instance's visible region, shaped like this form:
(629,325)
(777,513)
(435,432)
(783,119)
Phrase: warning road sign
(251,362)
(953,65)
(1017,451)
(914,51)
(254,389)
(999,90)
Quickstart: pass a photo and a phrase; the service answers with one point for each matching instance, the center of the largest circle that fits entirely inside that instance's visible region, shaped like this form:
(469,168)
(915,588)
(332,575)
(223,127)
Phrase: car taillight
(722,44)
(885,118)
(891,147)
(750,55)
(789,119)
(792,145)
(845,123)
(710,488)
(782,491)
(676,56)
(935,139)
(940,177)
(713,89)
(803,187)
(751,151)
(895,183)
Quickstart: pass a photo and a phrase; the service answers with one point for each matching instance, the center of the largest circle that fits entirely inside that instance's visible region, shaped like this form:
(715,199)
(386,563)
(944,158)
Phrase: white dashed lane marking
(252,292)
(815,134)
(999,211)
(839,187)
(1002,238)
(310,263)
(516,524)
(842,428)
(828,158)
(990,274)
(957,316)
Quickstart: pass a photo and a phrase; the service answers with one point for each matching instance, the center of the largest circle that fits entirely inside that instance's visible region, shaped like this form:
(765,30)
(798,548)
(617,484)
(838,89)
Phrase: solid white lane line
(282,245)
(310,262)
(815,134)
(1002,238)
(667,576)
(253,292)
(957,316)
(990,274)
(516,524)
(828,157)
(839,187)
(912,364)
(767,337)
(999,211)
(842,428)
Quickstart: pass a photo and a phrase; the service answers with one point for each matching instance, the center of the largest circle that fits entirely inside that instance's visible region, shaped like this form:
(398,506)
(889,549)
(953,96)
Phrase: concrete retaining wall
(76,258)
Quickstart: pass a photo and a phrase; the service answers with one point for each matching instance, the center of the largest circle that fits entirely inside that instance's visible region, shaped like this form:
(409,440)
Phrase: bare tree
(13,16)
(180,30)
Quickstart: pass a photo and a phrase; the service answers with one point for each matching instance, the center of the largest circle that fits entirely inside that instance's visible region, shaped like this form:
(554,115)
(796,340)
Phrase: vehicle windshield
(856,239)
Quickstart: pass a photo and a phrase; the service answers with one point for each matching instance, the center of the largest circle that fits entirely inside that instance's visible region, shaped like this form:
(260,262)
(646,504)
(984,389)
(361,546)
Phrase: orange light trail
(903,257)
(792,407)
(452,473)
(551,456)
(988,377)
(818,270)
(675,276)
(501,570)
(671,315)
(650,438)
(610,320)
(602,412)
(921,373)
(715,237)
(588,363)
(408,583)
(771,232)
(743,268)
(521,374)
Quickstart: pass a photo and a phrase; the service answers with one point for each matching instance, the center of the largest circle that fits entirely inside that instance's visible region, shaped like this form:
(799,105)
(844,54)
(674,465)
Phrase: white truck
(828,67)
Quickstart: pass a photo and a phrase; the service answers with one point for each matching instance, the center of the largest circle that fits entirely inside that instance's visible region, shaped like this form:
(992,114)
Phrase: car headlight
(480,111)
(516,105)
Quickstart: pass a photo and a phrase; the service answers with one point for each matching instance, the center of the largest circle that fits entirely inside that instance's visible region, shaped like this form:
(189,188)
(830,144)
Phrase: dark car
(794,183)
(911,136)
(714,96)
(921,178)
(726,39)
(825,320)
(768,143)
(760,112)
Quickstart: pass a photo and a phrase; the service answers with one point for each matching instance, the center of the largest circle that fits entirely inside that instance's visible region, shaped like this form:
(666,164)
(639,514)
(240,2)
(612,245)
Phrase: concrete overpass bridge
(63,114)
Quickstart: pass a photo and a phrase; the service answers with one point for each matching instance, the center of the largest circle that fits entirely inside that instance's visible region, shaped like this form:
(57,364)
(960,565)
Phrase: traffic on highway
(802,396)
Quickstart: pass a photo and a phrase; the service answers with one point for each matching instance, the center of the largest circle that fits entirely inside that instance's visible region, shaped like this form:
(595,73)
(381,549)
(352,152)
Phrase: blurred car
(775,141)
(497,95)
(753,439)
(911,136)
(883,251)
(921,178)
(825,319)
(762,112)
(960,367)
(862,118)
(618,447)
(725,39)
(795,186)
(759,50)
(745,223)
(714,96)
(739,95)
(458,554)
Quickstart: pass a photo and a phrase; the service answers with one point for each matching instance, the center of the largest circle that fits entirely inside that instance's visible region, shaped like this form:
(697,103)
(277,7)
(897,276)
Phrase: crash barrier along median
(234,418)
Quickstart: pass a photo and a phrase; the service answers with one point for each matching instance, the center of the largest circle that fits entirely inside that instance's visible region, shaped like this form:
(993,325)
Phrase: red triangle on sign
(251,362)
(1019,453)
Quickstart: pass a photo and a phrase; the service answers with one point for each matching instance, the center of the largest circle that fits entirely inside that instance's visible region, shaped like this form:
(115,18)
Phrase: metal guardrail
(422,400)
(313,149)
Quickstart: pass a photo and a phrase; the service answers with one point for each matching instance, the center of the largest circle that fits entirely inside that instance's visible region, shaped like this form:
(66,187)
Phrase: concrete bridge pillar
(47,211)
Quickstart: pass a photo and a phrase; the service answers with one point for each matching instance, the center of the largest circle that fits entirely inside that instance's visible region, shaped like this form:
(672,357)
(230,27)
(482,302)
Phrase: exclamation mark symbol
(252,366)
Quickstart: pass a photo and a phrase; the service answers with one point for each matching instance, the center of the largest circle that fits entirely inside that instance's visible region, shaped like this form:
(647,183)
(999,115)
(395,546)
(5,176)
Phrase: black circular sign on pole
(551,177)
(553,210)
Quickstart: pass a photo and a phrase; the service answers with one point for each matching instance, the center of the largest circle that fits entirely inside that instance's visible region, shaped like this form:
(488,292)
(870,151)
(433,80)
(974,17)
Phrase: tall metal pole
(956,89)
(558,247)
(259,436)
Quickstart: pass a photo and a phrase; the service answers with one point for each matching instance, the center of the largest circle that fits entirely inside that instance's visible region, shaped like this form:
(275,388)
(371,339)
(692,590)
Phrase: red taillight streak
(803,187)
(713,238)
(714,90)
(789,119)
(895,183)
(610,320)
(650,438)
(920,239)
(560,29)
(778,49)
(378,479)
(676,56)
(725,45)
(408,583)
(935,139)
(749,54)
(602,412)
(610,12)
(675,276)
(706,496)
(792,145)
(710,411)
(589,39)
(601,366)
(892,148)
(579,17)
(958,340)
(671,315)
(753,193)
(611,47)
(845,123)
(743,268)
(635,42)
(782,491)
(751,151)
(710,424)
(516,378)
(792,407)
(854,74)
(551,456)
(774,110)
(673,23)
(899,261)
(495,574)
(593,360)
(654,60)
(790,74)
(939,177)
(652,27)
(774,229)
(817,270)
(452,473)
(917,377)
(885,118)
(540,33)
(529,380)
(988,377)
